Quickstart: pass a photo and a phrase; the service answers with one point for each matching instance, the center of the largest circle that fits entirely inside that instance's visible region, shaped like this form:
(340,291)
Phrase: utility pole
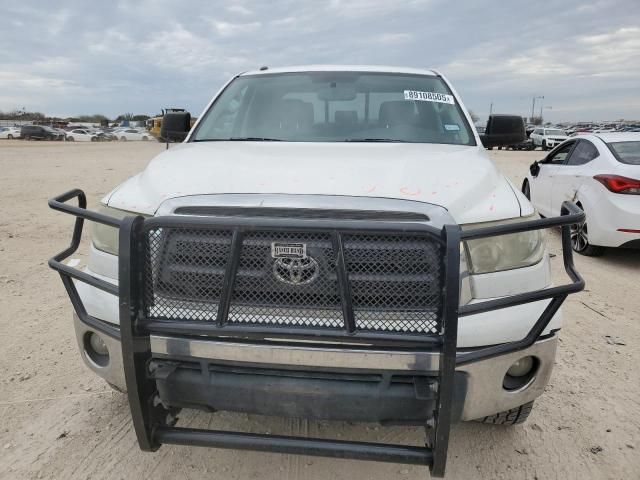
(491,108)
(533,105)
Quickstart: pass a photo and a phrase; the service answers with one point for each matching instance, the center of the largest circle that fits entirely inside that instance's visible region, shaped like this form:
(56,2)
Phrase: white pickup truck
(328,242)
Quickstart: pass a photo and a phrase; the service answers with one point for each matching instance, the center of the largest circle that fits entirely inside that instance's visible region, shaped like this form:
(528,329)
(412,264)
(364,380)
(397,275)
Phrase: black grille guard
(154,425)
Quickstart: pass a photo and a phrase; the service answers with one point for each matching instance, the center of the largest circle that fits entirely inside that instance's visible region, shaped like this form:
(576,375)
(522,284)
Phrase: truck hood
(461,179)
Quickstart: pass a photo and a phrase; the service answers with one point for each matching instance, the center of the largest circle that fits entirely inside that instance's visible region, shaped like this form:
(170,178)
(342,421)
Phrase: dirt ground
(60,421)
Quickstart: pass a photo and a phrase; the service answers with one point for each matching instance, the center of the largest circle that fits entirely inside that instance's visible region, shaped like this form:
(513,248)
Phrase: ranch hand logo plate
(288,250)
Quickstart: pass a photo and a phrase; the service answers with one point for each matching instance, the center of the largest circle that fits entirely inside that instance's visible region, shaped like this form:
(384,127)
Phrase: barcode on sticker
(428,96)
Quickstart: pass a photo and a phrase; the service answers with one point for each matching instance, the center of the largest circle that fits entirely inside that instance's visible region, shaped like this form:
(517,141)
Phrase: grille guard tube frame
(154,424)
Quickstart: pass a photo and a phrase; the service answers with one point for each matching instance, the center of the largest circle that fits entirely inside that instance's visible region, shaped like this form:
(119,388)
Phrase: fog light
(97,344)
(95,349)
(521,368)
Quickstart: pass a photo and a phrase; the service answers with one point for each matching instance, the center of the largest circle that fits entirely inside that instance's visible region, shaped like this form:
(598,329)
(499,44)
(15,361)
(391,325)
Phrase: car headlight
(505,252)
(105,237)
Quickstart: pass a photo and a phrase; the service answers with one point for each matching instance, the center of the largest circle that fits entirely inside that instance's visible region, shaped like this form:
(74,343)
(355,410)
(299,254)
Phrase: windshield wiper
(382,140)
(253,139)
(239,139)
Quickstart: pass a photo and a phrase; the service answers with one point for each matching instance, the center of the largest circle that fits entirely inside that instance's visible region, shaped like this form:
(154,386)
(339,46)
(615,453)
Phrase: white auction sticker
(428,96)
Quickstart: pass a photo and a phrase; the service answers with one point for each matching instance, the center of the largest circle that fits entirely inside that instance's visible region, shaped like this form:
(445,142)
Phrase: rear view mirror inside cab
(337,92)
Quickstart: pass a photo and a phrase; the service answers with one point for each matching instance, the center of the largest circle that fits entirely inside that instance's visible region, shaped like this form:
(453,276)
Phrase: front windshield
(336,107)
(555,132)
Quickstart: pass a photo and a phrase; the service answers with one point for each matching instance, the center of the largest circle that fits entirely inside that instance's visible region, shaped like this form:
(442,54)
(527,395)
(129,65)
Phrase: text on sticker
(428,96)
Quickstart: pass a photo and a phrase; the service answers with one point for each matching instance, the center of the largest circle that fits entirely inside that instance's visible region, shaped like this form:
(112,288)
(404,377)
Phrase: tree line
(24,115)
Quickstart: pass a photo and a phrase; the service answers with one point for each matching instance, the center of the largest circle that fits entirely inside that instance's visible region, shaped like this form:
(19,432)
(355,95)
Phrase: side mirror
(175,126)
(503,130)
(534,169)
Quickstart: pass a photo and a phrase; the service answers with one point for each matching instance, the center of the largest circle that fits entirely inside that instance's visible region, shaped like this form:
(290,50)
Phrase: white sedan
(132,134)
(81,135)
(9,132)
(601,173)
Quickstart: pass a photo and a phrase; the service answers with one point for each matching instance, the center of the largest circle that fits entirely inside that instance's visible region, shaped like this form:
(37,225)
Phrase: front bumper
(479,388)
(162,353)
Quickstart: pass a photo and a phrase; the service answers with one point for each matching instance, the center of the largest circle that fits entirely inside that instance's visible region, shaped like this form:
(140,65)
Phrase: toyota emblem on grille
(296,271)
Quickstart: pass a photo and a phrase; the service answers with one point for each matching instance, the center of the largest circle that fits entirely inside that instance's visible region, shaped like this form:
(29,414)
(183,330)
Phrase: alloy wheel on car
(579,237)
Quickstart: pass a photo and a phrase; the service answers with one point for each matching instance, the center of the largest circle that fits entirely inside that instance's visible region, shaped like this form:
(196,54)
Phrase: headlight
(105,237)
(505,252)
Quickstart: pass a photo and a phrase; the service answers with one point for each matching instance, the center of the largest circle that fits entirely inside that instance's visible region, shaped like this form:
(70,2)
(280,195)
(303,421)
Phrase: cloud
(391,38)
(239,9)
(228,29)
(146,54)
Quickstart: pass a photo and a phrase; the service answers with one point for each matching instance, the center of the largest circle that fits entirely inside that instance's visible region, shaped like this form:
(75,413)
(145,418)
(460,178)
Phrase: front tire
(580,241)
(144,139)
(544,145)
(10,137)
(123,139)
(514,416)
(71,139)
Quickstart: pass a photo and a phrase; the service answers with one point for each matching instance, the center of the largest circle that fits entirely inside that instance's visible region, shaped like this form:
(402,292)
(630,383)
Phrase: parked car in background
(9,132)
(526,144)
(133,134)
(601,174)
(105,135)
(38,132)
(547,138)
(80,135)
(529,129)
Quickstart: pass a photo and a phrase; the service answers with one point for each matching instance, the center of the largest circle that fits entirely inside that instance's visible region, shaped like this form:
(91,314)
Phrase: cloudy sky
(83,57)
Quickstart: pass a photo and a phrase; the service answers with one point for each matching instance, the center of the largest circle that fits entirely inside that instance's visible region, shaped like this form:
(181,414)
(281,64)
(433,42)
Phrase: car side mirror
(534,169)
(175,126)
(503,130)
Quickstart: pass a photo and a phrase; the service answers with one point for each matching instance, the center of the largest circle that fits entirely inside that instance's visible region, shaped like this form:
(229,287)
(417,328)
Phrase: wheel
(71,139)
(144,139)
(10,137)
(526,189)
(94,139)
(580,241)
(514,416)
(544,145)
(123,139)
(489,148)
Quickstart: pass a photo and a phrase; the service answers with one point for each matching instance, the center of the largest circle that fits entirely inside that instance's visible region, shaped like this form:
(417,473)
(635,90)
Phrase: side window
(584,152)
(559,156)
(536,131)
(224,121)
